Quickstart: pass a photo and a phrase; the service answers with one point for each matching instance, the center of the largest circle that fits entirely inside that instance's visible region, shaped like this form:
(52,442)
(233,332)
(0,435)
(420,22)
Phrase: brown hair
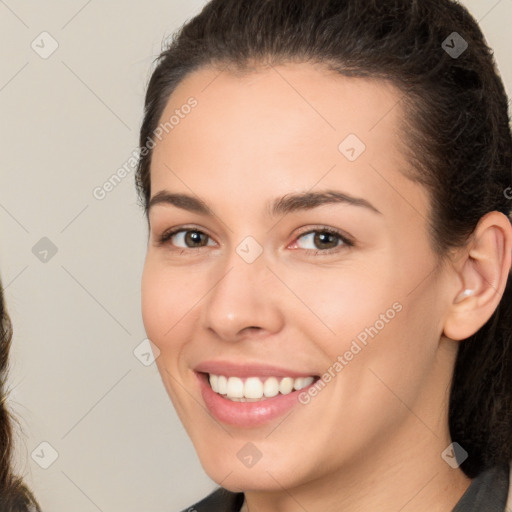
(457,139)
(14,495)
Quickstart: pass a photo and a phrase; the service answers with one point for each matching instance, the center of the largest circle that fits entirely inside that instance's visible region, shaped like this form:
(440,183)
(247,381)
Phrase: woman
(14,495)
(327,273)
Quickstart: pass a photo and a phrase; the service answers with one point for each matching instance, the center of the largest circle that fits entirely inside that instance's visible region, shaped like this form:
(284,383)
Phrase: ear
(482,272)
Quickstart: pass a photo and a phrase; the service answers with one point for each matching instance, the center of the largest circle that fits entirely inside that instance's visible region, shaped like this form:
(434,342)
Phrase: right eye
(189,238)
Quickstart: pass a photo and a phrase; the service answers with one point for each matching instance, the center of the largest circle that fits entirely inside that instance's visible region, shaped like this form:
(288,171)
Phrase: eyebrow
(279,206)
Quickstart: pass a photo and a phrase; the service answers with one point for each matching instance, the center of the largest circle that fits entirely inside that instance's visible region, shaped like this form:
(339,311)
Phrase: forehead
(304,103)
(279,128)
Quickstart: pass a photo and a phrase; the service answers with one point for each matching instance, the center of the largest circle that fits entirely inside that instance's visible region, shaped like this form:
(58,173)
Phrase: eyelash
(165,238)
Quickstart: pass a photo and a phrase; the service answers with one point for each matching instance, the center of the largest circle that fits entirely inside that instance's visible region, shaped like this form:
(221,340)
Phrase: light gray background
(68,122)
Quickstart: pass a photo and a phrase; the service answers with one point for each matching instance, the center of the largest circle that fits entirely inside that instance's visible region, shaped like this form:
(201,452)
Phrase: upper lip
(246,369)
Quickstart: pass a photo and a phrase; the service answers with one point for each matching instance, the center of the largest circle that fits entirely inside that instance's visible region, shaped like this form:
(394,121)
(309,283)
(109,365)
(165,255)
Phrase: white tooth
(298,383)
(235,387)
(222,385)
(271,387)
(307,381)
(253,388)
(213,382)
(286,385)
(302,382)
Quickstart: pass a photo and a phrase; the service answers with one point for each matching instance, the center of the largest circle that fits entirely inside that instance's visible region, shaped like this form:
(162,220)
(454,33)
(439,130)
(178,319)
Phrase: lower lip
(246,414)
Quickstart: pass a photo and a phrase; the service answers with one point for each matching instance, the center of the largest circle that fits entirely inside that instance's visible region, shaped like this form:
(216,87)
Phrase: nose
(243,301)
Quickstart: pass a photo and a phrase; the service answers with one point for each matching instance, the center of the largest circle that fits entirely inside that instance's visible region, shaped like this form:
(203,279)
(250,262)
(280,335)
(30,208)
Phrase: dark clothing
(487,493)
(220,500)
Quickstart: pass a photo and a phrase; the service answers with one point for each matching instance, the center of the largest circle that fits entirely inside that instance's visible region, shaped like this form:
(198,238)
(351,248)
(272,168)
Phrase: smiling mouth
(256,389)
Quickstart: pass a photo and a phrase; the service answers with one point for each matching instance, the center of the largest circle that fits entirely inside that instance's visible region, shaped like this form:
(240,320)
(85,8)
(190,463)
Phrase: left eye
(323,240)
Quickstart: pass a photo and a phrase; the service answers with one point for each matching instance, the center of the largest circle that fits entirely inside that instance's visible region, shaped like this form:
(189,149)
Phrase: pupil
(195,237)
(320,238)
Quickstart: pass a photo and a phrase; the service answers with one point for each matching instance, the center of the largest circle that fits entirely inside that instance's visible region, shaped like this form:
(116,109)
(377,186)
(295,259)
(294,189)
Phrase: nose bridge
(242,294)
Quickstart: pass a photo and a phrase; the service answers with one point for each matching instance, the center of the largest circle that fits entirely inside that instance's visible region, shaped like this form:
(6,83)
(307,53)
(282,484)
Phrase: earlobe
(482,275)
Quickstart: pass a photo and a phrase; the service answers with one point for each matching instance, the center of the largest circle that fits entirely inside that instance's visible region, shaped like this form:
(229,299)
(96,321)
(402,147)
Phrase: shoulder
(220,500)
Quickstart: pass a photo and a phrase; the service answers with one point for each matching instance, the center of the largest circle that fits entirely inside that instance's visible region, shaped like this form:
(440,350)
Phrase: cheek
(152,302)
(339,303)
(376,318)
(164,314)
(164,303)
(395,360)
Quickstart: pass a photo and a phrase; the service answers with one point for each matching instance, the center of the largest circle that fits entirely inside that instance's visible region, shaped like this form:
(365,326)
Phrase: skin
(372,438)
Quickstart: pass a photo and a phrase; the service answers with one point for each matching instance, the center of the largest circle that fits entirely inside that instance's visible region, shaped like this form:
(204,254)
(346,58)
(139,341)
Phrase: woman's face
(253,290)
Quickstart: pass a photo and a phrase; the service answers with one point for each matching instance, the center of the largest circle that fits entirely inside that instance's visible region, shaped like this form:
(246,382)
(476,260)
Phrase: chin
(241,467)
(243,480)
